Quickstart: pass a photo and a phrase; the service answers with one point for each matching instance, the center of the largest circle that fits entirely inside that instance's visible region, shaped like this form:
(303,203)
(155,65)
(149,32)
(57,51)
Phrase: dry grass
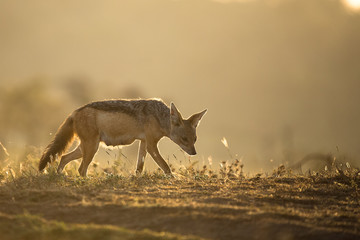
(197,203)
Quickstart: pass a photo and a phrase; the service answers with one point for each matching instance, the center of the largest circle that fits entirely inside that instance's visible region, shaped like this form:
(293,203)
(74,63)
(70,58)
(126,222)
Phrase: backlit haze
(280,78)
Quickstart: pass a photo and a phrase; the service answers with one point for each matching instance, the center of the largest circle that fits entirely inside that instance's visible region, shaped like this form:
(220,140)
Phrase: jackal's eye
(184,139)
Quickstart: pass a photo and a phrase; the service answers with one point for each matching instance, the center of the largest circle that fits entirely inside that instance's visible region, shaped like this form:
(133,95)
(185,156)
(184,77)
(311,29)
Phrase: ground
(190,206)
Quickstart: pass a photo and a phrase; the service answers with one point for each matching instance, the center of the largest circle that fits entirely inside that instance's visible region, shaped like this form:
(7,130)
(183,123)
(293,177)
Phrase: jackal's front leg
(141,157)
(154,152)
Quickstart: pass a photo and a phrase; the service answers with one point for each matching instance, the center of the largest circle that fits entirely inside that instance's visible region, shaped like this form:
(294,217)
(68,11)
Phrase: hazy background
(280,78)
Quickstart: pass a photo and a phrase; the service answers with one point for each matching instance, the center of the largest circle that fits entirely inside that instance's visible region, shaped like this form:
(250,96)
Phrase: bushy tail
(62,139)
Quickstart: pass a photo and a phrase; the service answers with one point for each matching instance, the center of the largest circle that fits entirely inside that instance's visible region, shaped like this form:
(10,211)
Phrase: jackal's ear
(175,116)
(195,119)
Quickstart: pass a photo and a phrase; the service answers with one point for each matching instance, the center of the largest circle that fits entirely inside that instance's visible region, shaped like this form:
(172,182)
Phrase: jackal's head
(183,131)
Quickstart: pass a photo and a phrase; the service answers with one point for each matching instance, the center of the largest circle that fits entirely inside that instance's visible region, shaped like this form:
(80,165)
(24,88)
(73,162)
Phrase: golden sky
(266,70)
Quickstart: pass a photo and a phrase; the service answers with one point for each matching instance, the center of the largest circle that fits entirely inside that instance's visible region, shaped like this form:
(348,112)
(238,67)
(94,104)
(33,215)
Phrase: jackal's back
(139,109)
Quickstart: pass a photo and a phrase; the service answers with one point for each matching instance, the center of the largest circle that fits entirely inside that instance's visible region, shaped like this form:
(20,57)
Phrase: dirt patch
(270,208)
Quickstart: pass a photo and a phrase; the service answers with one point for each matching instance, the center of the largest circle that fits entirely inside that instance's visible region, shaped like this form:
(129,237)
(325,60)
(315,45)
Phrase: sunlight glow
(352,4)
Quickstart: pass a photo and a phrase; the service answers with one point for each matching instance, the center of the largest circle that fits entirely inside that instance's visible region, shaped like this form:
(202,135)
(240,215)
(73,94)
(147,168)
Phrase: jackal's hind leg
(88,148)
(68,158)
(141,157)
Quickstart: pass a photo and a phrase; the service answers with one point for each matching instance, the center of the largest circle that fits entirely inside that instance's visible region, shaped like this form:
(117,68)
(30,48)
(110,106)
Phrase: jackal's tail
(62,139)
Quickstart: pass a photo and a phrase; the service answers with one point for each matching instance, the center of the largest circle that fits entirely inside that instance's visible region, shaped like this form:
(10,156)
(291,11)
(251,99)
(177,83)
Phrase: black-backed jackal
(121,122)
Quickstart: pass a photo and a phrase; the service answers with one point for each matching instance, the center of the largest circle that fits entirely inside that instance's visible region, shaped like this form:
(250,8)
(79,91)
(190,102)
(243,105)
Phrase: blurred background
(280,78)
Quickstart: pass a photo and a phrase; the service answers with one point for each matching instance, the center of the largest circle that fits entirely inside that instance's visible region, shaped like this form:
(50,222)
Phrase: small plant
(280,171)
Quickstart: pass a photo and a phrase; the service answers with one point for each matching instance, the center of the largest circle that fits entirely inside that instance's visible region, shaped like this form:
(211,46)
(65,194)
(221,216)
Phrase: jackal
(121,122)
